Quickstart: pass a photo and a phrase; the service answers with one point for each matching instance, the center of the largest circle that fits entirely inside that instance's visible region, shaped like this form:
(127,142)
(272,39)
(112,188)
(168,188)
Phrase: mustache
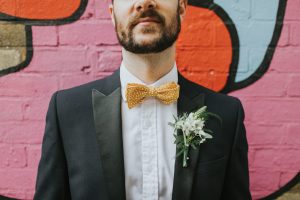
(148,13)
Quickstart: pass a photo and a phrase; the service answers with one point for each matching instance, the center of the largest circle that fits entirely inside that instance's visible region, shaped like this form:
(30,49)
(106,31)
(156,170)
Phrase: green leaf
(194,147)
(180,152)
(207,130)
(216,116)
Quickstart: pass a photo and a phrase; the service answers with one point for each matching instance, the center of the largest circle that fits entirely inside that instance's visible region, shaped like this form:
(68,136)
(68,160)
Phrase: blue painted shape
(255,23)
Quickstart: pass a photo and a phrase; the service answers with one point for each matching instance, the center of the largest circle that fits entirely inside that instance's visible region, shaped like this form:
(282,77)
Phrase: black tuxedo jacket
(82,150)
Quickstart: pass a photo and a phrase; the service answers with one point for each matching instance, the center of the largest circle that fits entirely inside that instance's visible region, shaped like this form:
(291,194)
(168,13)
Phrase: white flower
(192,127)
(199,123)
(179,124)
(203,134)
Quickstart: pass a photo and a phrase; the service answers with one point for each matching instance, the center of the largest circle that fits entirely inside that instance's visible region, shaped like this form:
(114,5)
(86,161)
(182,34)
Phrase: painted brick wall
(272,106)
(72,54)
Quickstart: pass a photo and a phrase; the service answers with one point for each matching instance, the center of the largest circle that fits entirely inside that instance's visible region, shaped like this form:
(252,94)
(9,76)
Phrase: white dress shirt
(148,142)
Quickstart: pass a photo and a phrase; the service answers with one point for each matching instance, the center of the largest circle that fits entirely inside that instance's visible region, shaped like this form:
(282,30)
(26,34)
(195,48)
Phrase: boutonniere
(193,130)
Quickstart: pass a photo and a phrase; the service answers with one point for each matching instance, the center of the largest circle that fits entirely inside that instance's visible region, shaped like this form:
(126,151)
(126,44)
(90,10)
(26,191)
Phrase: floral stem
(185,152)
(184,139)
(185,157)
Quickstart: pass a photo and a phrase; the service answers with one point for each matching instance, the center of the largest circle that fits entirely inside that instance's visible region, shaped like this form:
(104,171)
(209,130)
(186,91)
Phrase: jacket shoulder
(214,97)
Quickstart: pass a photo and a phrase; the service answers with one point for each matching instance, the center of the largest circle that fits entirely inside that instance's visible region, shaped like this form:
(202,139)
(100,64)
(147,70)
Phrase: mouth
(147,21)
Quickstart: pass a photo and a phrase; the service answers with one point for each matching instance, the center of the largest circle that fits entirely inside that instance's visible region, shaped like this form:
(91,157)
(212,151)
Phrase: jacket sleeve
(236,185)
(52,178)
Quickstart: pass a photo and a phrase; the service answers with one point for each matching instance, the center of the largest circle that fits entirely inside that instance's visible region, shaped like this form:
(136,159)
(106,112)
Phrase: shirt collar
(127,77)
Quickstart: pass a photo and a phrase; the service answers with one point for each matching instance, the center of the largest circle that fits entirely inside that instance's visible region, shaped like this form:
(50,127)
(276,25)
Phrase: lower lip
(147,23)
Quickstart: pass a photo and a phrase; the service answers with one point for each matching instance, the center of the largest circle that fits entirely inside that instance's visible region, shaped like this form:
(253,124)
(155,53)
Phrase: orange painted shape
(39,9)
(204,48)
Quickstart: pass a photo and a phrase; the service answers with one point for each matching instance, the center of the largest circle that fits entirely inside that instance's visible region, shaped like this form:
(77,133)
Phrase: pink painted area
(69,55)
(45,36)
(293,7)
(91,32)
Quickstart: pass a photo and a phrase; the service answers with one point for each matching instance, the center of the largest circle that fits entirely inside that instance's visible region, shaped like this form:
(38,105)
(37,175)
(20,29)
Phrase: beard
(168,33)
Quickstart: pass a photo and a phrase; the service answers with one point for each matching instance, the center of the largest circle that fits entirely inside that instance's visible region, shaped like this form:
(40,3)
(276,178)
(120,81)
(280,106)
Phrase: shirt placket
(149,150)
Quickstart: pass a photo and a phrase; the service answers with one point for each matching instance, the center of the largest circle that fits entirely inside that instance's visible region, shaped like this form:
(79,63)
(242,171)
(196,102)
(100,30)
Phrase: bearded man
(110,139)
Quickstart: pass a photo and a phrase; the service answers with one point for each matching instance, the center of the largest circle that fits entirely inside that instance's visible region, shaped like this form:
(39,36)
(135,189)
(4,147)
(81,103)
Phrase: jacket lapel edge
(108,126)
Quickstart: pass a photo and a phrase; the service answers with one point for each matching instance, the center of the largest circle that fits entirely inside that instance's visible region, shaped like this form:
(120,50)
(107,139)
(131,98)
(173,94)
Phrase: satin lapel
(108,124)
(183,177)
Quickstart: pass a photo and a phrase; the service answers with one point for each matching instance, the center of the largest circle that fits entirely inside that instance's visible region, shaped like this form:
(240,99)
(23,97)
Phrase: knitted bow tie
(137,93)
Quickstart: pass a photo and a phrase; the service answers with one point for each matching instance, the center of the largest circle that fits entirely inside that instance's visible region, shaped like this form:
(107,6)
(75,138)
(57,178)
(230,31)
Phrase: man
(101,143)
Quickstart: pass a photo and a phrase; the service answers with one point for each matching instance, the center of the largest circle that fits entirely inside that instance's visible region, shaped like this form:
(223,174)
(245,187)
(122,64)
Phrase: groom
(110,138)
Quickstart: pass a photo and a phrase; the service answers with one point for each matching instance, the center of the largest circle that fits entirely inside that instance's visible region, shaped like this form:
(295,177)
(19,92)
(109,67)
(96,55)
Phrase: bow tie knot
(153,92)
(137,93)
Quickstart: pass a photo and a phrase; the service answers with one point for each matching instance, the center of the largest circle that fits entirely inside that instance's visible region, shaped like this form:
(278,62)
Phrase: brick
(264,158)
(294,86)
(11,110)
(199,78)
(12,34)
(292,10)
(272,110)
(89,10)
(295,34)
(264,180)
(288,159)
(265,134)
(260,10)
(18,179)
(91,33)
(62,59)
(243,8)
(286,60)
(12,156)
(33,156)
(291,136)
(204,59)
(252,26)
(44,36)
(102,9)
(221,38)
(36,109)
(24,132)
(10,58)
(106,61)
(270,85)
(26,85)
(203,33)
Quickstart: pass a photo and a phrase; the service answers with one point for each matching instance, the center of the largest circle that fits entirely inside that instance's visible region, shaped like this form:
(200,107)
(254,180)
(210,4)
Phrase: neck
(149,67)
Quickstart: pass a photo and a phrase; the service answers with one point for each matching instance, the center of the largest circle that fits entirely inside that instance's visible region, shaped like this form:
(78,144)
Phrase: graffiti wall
(245,48)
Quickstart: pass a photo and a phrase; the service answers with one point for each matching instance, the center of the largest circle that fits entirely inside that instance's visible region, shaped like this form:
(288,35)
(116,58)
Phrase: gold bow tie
(137,93)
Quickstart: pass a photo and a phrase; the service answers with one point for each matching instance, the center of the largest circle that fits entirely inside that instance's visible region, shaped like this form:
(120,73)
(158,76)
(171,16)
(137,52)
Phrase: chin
(146,39)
